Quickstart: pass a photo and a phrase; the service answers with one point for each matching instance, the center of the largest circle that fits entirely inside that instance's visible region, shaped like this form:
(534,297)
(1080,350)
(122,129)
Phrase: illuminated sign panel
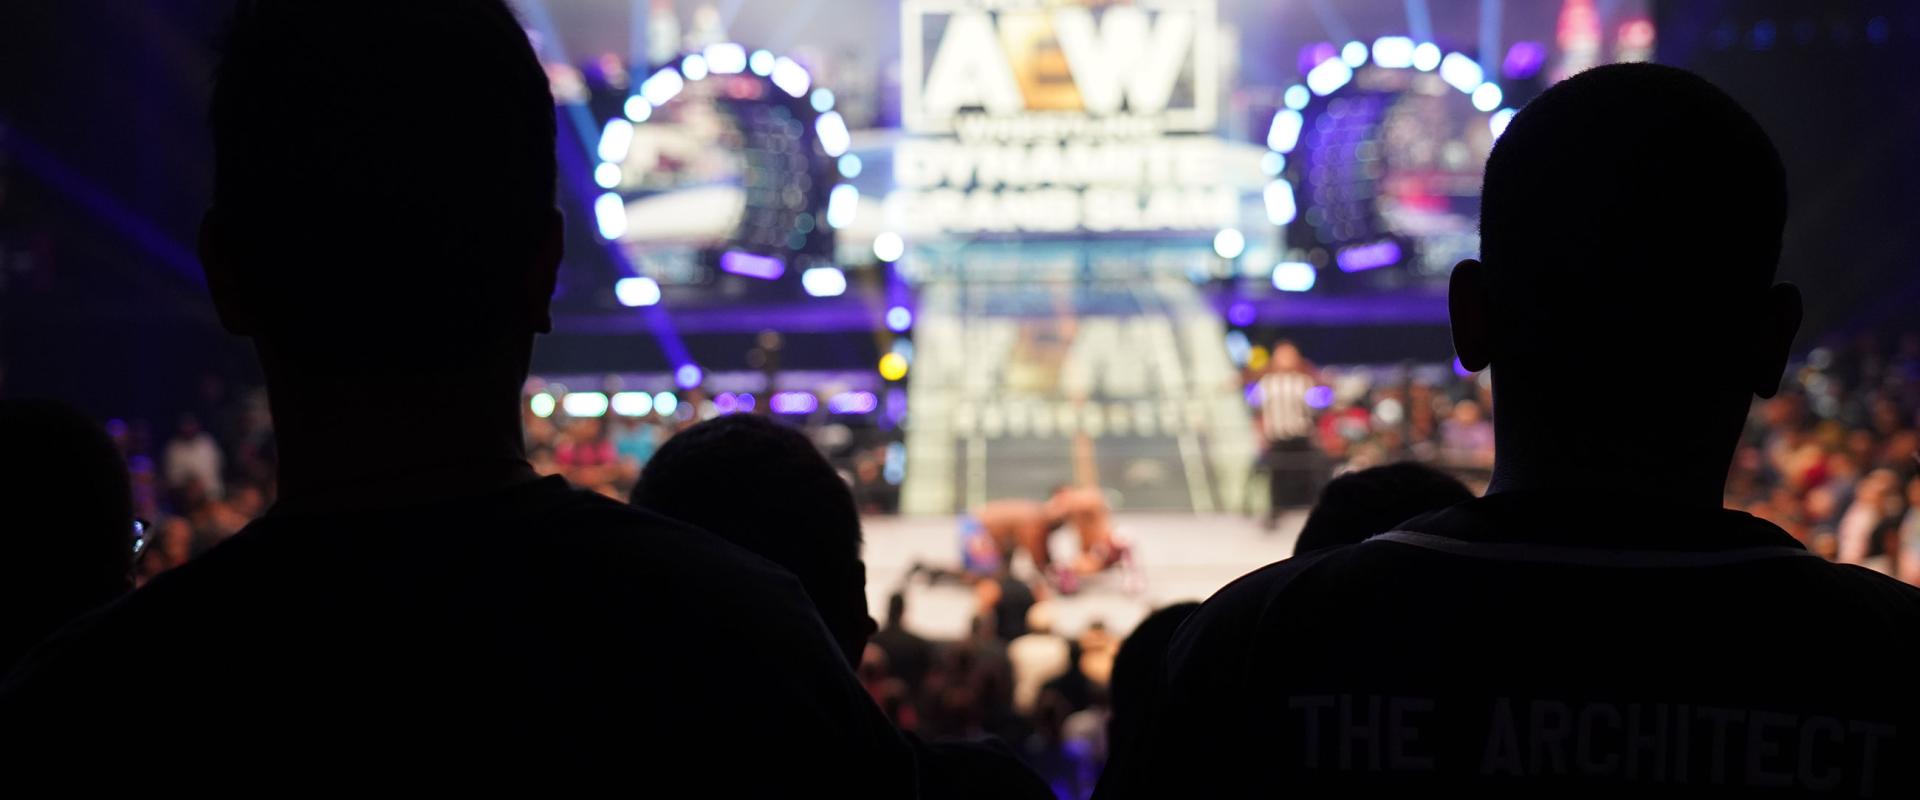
(1060,117)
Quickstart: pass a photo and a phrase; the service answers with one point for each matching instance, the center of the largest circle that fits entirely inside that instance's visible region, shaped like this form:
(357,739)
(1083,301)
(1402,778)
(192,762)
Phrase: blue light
(850,165)
(822,99)
(726,403)
(694,67)
(1297,97)
(1393,52)
(607,175)
(1329,76)
(790,76)
(842,203)
(1284,133)
(1487,97)
(761,62)
(662,86)
(896,469)
(665,403)
(904,349)
(1426,56)
(638,109)
(1383,253)
(1238,348)
(899,319)
(610,213)
(1354,54)
(1242,314)
(1294,276)
(853,403)
(832,131)
(1273,164)
(1461,72)
(1499,121)
(636,292)
(1319,397)
(1279,201)
(688,376)
(752,265)
(615,140)
(794,403)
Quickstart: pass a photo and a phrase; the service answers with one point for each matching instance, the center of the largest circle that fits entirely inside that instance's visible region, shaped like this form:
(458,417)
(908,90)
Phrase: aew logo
(1150,59)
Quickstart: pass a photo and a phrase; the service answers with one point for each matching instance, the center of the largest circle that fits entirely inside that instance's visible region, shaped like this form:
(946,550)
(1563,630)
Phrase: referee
(1286,428)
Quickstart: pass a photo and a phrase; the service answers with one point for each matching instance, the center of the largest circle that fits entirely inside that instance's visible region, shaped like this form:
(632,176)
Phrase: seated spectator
(909,656)
(1137,671)
(449,618)
(1598,625)
(68,528)
(1359,505)
(1038,656)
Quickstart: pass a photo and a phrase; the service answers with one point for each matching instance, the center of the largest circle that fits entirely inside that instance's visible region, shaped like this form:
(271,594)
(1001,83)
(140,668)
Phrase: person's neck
(355,443)
(1583,451)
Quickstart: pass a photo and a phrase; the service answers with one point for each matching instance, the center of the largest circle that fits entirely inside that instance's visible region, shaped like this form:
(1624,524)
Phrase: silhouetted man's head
(1359,505)
(384,183)
(67,529)
(766,488)
(1631,219)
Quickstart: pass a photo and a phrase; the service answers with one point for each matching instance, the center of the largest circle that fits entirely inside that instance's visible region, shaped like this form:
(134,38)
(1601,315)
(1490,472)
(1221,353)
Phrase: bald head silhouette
(1630,225)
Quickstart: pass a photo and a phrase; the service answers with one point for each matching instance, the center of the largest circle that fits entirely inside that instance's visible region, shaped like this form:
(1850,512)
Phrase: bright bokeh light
(662,86)
(842,203)
(1284,133)
(888,246)
(1294,276)
(1498,122)
(832,131)
(761,62)
(1461,72)
(1329,76)
(541,405)
(1297,97)
(1354,54)
(1426,56)
(850,165)
(1229,243)
(610,214)
(726,58)
(1487,97)
(615,140)
(899,319)
(633,404)
(853,403)
(607,175)
(893,366)
(665,403)
(585,404)
(824,282)
(791,77)
(1238,348)
(1281,208)
(636,292)
(688,376)
(1393,52)
(1273,164)
(822,99)
(638,109)
(793,403)
(694,67)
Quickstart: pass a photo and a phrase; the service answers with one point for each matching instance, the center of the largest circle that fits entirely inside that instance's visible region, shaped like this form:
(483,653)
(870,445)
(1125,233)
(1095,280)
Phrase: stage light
(832,131)
(1461,72)
(632,404)
(1273,164)
(638,109)
(850,165)
(1279,200)
(1297,97)
(1498,122)
(899,319)
(636,292)
(895,470)
(1329,76)
(853,403)
(610,213)
(751,265)
(665,404)
(607,175)
(1354,54)
(893,366)
(615,139)
(541,405)
(725,403)
(1294,276)
(1524,60)
(585,404)
(794,403)
(791,77)
(842,203)
(662,86)
(688,376)
(1284,132)
(1393,52)
(1487,97)
(822,99)
(1383,253)
(1229,243)
(889,247)
(1426,56)
(694,67)
(1238,348)
(903,347)
(726,58)
(761,62)
(1242,314)
(824,282)
(1319,397)
(744,402)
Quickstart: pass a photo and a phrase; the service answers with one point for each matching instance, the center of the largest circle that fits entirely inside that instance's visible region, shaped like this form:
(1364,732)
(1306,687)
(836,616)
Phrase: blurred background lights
(541,405)
(585,404)
(636,292)
(1229,243)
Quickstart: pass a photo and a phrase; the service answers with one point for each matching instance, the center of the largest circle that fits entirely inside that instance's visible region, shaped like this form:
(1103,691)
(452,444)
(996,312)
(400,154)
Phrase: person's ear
(550,247)
(1780,320)
(1467,308)
(218,257)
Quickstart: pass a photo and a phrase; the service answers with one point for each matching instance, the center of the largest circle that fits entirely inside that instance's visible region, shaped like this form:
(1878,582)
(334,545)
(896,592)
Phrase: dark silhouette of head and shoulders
(1362,504)
(1597,624)
(384,231)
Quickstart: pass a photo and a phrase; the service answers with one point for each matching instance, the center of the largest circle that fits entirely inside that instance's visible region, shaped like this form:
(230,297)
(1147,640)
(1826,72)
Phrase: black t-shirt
(1531,646)
(538,632)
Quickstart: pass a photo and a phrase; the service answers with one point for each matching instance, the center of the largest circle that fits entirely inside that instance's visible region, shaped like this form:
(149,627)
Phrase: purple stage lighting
(688,376)
(794,403)
(1461,369)
(1241,314)
(744,403)
(1313,54)
(1523,60)
(1319,397)
(726,403)
(853,403)
(1384,253)
(899,319)
(740,262)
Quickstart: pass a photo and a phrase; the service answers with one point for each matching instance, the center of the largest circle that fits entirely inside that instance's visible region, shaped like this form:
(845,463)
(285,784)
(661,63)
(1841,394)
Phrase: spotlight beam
(1337,28)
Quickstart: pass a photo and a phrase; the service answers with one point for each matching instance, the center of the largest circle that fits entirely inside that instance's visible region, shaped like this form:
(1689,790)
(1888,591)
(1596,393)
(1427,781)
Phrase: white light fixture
(636,292)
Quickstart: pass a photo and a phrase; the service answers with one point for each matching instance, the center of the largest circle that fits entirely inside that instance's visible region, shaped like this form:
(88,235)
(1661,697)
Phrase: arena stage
(1182,557)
